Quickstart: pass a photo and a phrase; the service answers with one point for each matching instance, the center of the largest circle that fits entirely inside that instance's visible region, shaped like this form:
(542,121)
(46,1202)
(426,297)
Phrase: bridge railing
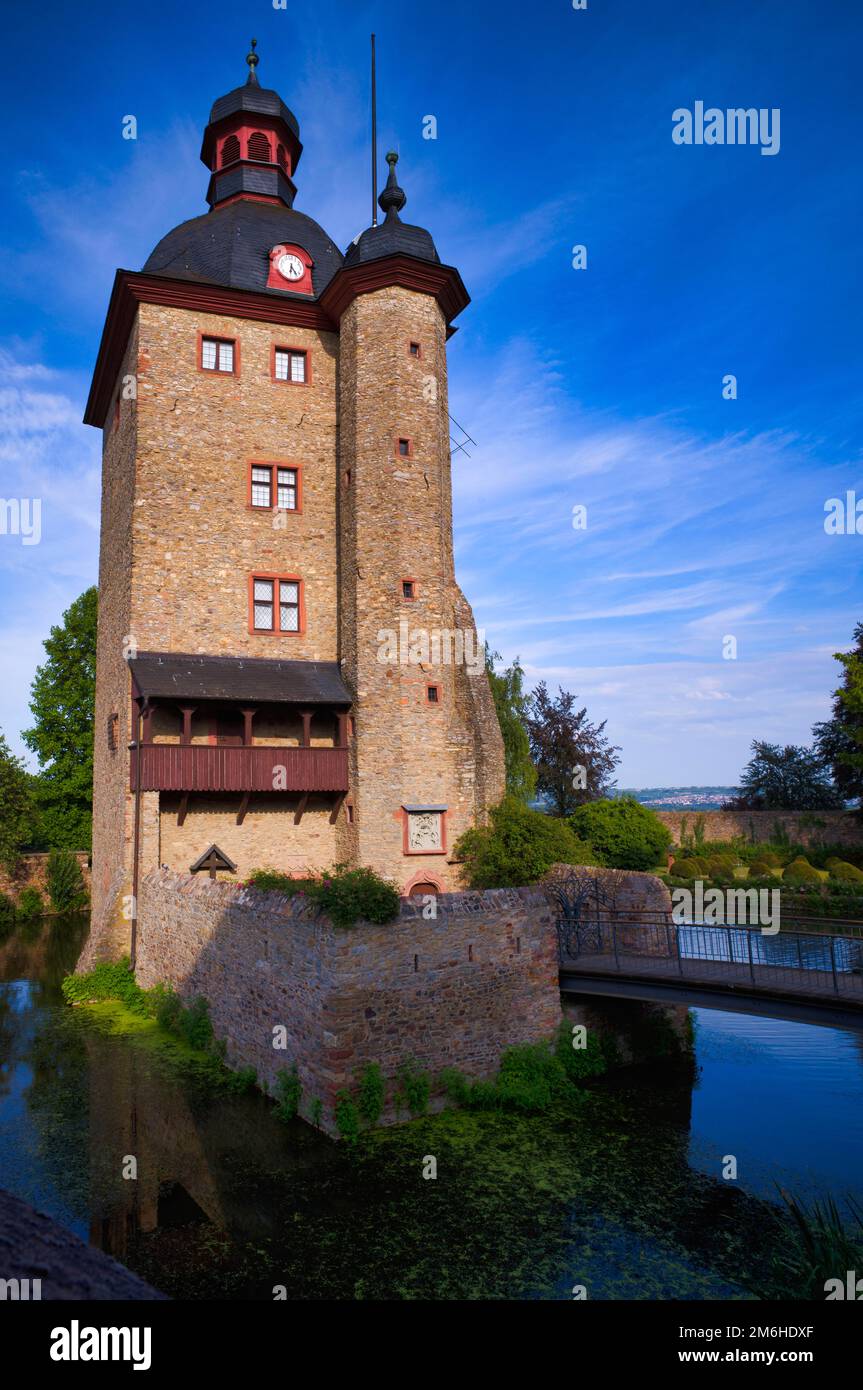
(647,944)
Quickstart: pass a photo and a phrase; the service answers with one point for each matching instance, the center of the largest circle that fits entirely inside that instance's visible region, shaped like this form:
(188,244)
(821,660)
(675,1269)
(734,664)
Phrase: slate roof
(174,676)
(231,246)
(391,238)
(251,97)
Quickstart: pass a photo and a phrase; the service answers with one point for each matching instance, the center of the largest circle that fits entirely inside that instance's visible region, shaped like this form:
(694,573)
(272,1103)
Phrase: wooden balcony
(183,767)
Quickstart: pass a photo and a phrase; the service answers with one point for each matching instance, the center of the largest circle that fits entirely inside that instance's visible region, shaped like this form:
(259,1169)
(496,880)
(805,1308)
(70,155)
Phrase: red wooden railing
(185,767)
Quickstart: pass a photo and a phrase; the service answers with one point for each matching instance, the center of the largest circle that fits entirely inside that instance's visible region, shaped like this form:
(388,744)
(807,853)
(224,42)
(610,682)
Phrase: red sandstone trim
(434,685)
(422,876)
(397,439)
(415,356)
(443,282)
(414,594)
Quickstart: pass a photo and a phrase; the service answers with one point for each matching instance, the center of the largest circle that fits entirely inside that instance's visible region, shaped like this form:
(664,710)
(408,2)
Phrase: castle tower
(281,638)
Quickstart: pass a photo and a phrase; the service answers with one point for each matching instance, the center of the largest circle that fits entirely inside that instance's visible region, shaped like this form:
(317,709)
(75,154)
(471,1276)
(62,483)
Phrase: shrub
(579,1063)
(689,869)
(288,1093)
(346,895)
(844,872)
(415,1087)
(110,980)
(759,868)
(801,872)
(622,833)
(370,1099)
(31,904)
(517,847)
(7,911)
(65,882)
(347,1118)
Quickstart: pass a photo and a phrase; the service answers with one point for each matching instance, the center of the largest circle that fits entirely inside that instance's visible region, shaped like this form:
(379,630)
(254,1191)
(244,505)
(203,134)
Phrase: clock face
(291,267)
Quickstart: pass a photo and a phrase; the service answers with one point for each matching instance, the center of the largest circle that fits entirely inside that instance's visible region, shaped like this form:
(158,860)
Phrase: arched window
(259,147)
(282,157)
(230,150)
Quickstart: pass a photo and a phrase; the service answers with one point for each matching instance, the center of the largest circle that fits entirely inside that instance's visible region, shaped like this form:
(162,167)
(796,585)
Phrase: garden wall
(801,827)
(455,991)
(31,873)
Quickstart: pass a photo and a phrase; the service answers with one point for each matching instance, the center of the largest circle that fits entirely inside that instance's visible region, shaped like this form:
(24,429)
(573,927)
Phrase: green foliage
(16,807)
(789,778)
(698,831)
(689,869)
(517,847)
(289,1092)
(580,1063)
(31,904)
(823,1245)
(65,882)
(839,741)
(370,1097)
(346,895)
(844,872)
(347,1118)
(316,1112)
(62,704)
(512,706)
(622,833)
(800,871)
(108,980)
(562,739)
(241,1081)
(7,911)
(414,1088)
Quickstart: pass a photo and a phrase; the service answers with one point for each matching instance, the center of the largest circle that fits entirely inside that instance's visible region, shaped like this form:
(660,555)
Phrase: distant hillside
(680,798)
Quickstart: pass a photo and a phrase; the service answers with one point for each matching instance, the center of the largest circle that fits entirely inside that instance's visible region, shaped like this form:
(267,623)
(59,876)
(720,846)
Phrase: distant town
(680,798)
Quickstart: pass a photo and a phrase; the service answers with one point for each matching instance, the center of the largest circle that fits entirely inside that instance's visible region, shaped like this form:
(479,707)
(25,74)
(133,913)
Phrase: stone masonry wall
(455,991)
(802,828)
(31,873)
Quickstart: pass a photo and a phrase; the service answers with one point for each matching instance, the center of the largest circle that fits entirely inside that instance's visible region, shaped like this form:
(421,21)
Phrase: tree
(622,833)
(62,704)
(518,846)
(785,779)
(511,703)
(16,806)
(839,740)
(574,760)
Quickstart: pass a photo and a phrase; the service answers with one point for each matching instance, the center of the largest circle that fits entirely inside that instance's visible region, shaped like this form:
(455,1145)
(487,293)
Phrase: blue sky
(600,387)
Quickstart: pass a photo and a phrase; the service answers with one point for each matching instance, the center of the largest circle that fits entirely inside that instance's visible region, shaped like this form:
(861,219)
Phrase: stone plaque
(425,831)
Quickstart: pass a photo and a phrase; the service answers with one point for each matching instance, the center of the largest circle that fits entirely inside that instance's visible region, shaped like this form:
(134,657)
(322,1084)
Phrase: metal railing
(651,945)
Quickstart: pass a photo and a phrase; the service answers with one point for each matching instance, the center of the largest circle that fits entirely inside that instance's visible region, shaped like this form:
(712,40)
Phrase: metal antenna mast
(374,140)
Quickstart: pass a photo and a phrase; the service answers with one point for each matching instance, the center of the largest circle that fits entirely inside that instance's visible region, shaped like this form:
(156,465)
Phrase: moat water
(620,1190)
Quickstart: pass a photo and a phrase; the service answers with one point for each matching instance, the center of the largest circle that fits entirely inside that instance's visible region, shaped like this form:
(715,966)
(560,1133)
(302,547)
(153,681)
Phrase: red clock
(290,269)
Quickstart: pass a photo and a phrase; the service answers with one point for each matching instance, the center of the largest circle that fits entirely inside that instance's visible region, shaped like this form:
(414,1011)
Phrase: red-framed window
(275,487)
(218,355)
(291,365)
(409,590)
(404,447)
(415,350)
(433,693)
(276,604)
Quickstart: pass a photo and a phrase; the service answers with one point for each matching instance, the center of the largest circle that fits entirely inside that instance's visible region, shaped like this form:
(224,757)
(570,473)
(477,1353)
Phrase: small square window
(217,355)
(404,448)
(290,364)
(415,350)
(433,692)
(408,589)
(349,810)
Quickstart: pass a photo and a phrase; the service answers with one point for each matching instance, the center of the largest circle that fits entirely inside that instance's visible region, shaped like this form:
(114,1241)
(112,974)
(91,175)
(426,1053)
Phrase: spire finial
(393,198)
(252,59)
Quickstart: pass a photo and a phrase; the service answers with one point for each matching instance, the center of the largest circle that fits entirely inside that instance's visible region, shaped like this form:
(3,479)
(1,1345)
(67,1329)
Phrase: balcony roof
(177,676)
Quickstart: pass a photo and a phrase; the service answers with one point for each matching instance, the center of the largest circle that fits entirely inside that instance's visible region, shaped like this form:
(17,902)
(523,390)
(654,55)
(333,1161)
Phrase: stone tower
(286,666)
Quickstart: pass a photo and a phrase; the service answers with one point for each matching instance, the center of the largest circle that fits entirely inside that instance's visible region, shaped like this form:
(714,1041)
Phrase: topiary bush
(65,882)
(844,872)
(689,869)
(517,847)
(31,904)
(622,833)
(800,871)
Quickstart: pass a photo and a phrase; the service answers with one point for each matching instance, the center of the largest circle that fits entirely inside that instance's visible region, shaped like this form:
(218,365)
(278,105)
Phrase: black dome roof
(391,238)
(231,246)
(262,100)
